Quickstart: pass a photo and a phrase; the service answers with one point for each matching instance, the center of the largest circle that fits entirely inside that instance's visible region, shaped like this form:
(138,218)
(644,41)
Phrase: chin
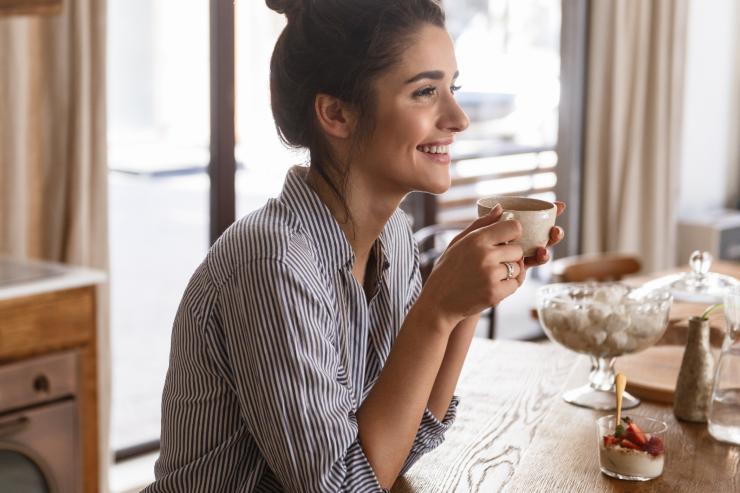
(436,187)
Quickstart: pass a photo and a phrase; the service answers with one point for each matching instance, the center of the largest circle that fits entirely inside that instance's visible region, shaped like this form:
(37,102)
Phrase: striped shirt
(274,348)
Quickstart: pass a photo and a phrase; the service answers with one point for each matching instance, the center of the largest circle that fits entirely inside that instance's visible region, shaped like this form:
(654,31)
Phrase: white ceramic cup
(537,218)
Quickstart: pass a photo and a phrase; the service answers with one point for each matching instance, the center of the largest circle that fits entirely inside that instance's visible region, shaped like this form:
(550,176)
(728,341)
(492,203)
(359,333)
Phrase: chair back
(600,267)
(432,242)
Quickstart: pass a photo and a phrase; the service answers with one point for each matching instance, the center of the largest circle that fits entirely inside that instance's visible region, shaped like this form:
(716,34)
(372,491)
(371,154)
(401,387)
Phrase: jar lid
(697,286)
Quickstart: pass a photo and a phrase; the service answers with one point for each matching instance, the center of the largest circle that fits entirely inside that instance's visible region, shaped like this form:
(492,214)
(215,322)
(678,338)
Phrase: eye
(425,92)
(454,88)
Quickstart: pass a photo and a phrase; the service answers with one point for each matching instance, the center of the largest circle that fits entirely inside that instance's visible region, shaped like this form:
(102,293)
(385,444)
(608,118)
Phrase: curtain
(632,129)
(53,170)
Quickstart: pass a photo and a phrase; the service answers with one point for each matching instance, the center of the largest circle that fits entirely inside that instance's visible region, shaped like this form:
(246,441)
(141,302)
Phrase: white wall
(711,133)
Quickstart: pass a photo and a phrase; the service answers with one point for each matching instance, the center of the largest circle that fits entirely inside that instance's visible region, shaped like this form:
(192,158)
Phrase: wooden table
(515,433)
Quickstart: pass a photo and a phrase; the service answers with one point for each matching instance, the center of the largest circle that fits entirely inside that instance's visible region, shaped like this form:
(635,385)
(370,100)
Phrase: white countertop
(25,277)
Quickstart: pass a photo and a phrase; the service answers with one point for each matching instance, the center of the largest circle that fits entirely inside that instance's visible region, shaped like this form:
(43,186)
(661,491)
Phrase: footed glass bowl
(602,320)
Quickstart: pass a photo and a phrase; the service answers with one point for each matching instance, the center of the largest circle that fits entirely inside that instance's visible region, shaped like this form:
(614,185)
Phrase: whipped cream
(629,462)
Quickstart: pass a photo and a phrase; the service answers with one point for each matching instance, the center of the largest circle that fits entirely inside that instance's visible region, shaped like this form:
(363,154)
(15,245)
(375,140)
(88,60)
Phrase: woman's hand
(471,275)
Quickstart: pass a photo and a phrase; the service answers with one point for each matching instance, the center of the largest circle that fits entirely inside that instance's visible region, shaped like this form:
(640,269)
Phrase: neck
(368,210)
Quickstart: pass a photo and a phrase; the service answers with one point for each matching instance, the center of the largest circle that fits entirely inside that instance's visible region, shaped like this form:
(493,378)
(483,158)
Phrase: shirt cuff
(432,431)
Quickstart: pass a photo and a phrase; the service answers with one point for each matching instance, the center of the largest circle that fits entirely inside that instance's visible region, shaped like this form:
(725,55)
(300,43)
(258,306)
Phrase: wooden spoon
(620,382)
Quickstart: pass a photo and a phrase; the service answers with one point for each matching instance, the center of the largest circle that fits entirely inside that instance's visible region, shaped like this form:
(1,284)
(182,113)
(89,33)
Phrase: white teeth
(434,149)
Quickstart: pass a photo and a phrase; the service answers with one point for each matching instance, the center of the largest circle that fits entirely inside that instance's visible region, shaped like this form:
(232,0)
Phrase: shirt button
(386,265)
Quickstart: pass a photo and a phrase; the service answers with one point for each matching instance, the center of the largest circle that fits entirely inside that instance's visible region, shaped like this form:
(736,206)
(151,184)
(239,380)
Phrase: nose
(454,118)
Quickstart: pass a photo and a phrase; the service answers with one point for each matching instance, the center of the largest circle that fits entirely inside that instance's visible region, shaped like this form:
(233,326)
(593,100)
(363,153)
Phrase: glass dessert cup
(629,457)
(603,321)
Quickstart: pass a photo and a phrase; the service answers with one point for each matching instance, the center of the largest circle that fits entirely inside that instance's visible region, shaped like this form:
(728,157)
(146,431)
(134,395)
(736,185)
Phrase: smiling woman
(415,118)
(305,354)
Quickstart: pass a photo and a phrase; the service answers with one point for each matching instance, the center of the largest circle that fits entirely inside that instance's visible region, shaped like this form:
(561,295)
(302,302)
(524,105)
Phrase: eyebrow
(431,74)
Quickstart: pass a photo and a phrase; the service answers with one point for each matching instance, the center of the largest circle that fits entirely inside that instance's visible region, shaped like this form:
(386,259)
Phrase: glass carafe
(724,410)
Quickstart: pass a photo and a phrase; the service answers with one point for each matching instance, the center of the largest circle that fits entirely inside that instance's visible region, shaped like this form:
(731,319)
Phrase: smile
(434,149)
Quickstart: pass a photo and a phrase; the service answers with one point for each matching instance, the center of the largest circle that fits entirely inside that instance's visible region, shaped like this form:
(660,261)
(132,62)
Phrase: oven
(39,425)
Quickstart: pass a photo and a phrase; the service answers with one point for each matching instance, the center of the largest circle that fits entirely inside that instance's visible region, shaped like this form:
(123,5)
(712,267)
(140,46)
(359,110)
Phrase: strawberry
(654,446)
(634,433)
(610,440)
(627,444)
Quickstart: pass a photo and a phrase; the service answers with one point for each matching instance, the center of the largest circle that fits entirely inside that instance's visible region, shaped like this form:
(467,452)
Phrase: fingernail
(496,208)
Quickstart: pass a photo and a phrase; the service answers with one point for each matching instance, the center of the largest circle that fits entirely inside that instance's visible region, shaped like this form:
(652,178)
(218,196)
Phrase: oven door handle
(14,426)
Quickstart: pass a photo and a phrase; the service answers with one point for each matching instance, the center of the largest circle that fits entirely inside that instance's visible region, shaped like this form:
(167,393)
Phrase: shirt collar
(317,219)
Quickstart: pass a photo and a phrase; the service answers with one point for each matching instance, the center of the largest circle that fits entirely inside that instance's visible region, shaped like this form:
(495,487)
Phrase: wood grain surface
(506,388)
(514,433)
(45,323)
(563,456)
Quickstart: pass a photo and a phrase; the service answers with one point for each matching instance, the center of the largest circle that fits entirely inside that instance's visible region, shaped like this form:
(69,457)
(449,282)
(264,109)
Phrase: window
(262,159)
(509,60)
(158,134)
(158,148)
(508,53)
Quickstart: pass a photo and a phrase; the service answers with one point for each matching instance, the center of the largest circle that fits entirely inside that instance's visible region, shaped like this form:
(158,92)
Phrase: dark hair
(339,48)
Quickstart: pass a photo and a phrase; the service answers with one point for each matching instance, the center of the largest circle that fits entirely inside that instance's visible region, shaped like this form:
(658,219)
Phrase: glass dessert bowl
(602,320)
(634,450)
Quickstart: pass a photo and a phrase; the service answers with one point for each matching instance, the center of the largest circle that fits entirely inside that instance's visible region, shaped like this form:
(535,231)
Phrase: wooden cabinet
(50,322)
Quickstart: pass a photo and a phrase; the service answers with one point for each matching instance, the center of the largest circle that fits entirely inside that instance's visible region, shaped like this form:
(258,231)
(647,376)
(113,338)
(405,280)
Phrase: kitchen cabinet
(48,309)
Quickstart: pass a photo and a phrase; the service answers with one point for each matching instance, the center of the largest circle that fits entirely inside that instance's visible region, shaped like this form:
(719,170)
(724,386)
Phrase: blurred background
(133,132)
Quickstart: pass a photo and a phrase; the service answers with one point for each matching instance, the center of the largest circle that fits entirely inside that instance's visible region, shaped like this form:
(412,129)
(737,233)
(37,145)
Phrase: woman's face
(416,119)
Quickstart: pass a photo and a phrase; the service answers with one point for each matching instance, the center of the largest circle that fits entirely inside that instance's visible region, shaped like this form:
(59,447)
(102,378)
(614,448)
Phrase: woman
(305,354)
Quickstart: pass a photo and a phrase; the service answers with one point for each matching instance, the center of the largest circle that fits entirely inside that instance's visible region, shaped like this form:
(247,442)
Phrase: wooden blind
(30,7)
(496,170)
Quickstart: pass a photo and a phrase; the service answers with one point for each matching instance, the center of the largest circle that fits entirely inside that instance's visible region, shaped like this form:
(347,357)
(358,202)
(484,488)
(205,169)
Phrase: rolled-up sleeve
(431,433)
(277,331)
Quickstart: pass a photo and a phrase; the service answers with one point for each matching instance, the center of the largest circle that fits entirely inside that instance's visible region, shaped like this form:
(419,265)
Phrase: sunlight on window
(263,159)
(509,61)
(158,136)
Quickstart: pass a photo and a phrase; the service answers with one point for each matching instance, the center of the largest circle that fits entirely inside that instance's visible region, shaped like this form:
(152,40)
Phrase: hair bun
(290,8)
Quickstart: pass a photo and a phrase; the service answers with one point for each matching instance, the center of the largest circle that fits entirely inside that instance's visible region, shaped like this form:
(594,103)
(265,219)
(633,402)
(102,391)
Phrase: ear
(335,116)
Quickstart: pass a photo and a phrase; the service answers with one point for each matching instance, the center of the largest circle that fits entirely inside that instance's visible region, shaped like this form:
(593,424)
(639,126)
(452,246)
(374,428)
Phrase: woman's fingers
(540,257)
(500,232)
(556,236)
(508,253)
(481,222)
(522,272)
(560,206)
(507,288)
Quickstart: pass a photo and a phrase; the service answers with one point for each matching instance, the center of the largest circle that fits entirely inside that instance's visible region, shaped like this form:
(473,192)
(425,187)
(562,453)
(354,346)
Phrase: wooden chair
(432,242)
(599,267)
